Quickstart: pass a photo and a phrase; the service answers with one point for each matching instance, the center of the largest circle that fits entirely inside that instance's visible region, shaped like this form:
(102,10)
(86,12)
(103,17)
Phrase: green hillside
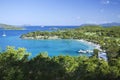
(9,27)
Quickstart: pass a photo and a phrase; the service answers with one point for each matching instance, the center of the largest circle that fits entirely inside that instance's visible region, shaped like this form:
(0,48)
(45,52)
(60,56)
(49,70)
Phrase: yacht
(4,34)
(89,51)
(85,51)
(82,51)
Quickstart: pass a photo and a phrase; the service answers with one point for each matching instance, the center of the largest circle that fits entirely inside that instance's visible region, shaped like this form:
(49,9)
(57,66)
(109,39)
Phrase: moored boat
(4,34)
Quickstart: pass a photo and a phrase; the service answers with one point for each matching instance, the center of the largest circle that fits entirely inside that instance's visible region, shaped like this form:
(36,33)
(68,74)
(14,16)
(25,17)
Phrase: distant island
(10,27)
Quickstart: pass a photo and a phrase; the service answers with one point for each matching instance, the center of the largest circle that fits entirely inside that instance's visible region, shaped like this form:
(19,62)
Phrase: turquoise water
(53,47)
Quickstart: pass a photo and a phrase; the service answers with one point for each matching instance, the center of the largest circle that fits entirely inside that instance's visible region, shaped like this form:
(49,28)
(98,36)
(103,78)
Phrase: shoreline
(96,46)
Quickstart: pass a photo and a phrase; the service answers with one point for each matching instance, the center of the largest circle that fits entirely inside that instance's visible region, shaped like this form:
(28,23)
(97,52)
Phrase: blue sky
(59,12)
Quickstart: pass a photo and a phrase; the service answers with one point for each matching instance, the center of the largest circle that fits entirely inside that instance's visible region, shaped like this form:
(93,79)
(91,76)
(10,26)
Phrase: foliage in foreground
(15,65)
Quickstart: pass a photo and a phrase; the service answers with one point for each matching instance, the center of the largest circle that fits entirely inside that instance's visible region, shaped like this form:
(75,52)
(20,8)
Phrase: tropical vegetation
(15,64)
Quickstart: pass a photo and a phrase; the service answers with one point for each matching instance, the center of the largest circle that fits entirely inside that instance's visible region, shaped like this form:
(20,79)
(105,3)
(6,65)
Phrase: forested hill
(77,33)
(9,27)
(104,24)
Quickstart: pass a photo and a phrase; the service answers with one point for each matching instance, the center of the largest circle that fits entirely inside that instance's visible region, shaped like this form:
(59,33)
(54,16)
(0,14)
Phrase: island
(10,27)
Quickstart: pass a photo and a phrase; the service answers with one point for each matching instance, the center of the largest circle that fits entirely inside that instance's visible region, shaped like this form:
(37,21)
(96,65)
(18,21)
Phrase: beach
(96,46)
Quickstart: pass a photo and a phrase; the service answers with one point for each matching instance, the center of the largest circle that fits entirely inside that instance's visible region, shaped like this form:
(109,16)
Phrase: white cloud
(105,2)
(112,2)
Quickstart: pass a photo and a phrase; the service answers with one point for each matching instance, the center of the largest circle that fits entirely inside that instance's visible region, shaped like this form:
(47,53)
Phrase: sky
(59,12)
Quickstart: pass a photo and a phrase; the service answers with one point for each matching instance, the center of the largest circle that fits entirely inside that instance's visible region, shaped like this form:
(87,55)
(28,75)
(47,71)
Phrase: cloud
(113,2)
(105,2)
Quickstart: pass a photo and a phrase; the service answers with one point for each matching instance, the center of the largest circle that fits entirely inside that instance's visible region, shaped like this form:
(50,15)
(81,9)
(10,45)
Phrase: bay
(52,47)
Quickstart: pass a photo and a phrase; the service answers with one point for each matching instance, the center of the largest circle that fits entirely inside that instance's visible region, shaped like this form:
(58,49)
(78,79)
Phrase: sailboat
(4,34)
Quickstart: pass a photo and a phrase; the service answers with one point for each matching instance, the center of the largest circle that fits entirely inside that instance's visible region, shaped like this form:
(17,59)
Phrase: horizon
(59,12)
(109,23)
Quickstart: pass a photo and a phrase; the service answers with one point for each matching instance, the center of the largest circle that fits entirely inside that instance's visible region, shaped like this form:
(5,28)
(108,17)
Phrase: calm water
(53,47)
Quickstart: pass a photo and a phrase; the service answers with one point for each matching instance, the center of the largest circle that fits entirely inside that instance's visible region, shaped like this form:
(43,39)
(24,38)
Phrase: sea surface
(52,47)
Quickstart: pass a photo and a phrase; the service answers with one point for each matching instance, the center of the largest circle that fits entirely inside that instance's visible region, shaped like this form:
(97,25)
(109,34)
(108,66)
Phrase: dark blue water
(53,47)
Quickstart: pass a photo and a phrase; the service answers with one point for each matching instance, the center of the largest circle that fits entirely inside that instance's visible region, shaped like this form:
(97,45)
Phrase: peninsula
(9,27)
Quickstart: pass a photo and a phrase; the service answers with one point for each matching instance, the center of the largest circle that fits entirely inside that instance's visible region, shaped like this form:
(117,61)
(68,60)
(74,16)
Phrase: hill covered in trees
(9,27)
(15,65)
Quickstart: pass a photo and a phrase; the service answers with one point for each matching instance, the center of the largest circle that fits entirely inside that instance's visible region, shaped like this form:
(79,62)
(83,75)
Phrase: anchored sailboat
(4,34)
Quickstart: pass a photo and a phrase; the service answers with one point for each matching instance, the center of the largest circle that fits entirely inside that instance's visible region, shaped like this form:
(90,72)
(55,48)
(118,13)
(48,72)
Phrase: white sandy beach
(96,46)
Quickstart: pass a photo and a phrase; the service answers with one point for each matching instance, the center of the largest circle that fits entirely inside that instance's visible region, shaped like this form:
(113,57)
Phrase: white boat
(89,51)
(4,34)
(85,51)
(82,51)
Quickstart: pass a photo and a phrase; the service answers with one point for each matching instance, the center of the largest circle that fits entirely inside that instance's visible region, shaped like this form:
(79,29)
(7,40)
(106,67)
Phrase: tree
(11,63)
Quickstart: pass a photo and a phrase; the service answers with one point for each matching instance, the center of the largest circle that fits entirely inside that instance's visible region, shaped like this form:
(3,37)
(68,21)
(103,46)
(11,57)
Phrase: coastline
(96,46)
